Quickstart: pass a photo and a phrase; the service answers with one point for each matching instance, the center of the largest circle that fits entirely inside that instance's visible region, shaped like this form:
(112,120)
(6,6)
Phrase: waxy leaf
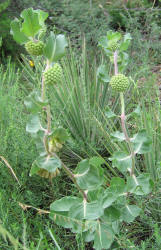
(140,185)
(129,212)
(104,236)
(126,42)
(102,73)
(60,134)
(111,214)
(109,113)
(118,136)
(89,177)
(16,32)
(48,163)
(142,142)
(118,184)
(55,47)
(115,36)
(33,125)
(31,25)
(34,102)
(110,196)
(42,15)
(86,210)
(64,204)
(122,161)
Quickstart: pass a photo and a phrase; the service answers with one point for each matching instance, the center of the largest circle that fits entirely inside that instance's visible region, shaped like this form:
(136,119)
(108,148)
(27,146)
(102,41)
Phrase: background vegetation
(83,22)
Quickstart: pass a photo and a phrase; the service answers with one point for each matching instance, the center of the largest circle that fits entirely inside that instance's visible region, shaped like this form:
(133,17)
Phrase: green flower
(119,83)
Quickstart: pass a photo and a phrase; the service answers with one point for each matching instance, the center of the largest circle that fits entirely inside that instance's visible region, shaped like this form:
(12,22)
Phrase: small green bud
(53,75)
(113,45)
(119,82)
(34,48)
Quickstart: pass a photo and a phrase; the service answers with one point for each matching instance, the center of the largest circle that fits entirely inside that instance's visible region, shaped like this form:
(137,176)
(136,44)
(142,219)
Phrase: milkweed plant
(100,207)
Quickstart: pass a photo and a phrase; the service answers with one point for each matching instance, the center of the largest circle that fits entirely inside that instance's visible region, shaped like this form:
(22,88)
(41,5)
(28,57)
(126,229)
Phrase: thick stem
(43,83)
(123,118)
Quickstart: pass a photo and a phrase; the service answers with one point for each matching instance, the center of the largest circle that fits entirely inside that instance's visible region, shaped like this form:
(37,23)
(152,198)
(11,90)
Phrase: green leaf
(110,196)
(49,163)
(129,213)
(31,25)
(55,47)
(122,161)
(60,134)
(104,236)
(42,15)
(96,161)
(103,42)
(111,214)
(34,102)
(33,125)
(95,194)
(118,184)
(34,169)
(142,142)
(103,74)
(89,177)
(118,136)
(140,185)
(64,204)
(18,36)
(85,210)
(125,44)
(136,112)
(114,36)
(109,113)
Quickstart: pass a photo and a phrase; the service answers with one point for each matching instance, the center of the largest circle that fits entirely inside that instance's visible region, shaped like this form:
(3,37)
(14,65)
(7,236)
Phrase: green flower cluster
(34,48)
(53,75)
(119,82)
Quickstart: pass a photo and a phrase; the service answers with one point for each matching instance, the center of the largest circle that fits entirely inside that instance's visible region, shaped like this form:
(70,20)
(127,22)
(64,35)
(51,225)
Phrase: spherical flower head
(119,83)
(35,48)
(53,75)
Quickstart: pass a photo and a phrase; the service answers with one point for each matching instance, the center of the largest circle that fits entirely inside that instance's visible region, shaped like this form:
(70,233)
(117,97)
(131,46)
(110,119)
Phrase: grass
(80,109)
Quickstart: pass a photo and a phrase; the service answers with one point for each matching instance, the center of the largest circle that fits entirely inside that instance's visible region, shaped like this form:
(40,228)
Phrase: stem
(71,176)
(123,118)
(115,62)
(43,83)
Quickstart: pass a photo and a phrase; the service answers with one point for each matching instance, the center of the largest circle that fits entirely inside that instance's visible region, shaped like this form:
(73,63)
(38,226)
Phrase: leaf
(104,236)
(55,47)
(125,44)
(142,142)
(86,210)
(136,112)
(31,25)
(110,196)
(89,177)
(42,16)
(118,184)
(102,73)
(33,125)
(129,213)
(34,169)
(34,102)
(95,194)
(109,113)
(118,136)
(140,185)
(60,134)
(64,204)
(115,36)
(18,36)
(49,163)
(111,214)
(122,161)
(96,161)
